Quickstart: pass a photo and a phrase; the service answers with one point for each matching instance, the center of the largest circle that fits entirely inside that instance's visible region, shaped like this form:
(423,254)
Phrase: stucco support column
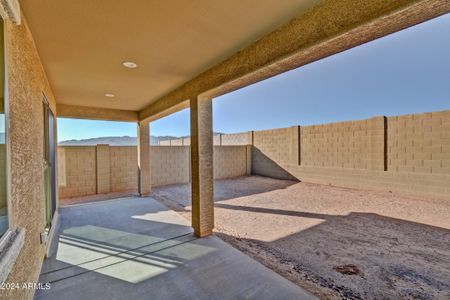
(143,156)
(202,166)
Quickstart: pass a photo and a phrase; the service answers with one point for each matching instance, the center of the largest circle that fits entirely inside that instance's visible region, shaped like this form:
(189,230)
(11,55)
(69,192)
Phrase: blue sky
(406,72)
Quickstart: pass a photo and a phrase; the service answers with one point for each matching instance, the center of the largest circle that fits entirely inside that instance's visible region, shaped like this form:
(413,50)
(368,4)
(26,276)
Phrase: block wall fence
(220,139)
(103,169)
(408,154)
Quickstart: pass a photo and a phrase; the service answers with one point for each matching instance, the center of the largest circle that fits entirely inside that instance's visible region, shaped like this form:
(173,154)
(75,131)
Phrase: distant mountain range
(114,141)
(118,140)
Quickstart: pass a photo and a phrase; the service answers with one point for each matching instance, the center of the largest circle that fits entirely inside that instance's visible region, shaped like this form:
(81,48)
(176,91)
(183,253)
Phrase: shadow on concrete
(136,248)
(395,259)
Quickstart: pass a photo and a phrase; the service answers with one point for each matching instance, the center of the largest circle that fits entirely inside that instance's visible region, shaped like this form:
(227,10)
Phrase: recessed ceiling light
(129,64)
(109,95)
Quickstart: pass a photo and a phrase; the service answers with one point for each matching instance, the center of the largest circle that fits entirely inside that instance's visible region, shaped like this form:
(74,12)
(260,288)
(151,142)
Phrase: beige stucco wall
(414,150)
(2,177)
(27,83)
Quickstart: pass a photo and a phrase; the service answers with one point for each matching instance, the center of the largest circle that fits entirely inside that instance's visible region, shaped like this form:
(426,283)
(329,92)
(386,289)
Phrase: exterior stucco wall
(2,175)
(26,83)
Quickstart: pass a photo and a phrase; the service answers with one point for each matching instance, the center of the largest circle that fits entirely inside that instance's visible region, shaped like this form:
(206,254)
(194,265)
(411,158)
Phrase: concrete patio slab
(136,248)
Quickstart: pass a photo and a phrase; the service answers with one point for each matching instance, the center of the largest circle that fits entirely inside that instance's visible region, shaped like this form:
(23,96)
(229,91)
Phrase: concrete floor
(136,248)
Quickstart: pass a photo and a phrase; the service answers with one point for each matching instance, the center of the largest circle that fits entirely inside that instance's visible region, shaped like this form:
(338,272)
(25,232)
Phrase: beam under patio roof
(329,28)
(96,113)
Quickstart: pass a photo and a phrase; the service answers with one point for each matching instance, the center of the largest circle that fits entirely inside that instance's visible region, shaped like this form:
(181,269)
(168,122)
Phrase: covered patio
(138,61)
(106,51)
(134,248)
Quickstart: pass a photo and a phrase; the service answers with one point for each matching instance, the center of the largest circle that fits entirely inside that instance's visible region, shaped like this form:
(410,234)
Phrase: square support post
(143,156)
(202,166)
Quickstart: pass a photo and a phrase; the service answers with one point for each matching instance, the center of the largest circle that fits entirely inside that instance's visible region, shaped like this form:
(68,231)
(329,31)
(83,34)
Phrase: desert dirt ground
(338,243)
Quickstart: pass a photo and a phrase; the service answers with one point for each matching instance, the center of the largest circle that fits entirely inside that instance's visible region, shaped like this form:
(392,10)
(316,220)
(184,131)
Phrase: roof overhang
(205,50)
(329,28)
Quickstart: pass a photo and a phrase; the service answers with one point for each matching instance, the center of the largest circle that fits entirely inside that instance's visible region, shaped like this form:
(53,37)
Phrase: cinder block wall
(407,154)
(234,139)
(101,169)
(271,153)
(354,144)
(420,143)
(231,139)
(169,165)
(77,169)
(230,161)
(124,170)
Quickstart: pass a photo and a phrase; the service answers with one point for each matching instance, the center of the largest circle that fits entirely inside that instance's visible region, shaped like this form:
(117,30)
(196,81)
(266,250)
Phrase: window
(3,191)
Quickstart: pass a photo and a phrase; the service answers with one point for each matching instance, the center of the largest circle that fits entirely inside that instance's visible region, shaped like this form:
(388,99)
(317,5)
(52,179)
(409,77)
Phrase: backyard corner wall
(169,165)
(77,171)
(26,84)
(230,161)
(407,154)
(273,151)
(103,169)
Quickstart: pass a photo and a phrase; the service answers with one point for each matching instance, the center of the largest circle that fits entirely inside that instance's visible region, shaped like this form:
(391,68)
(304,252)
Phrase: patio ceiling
(83,43)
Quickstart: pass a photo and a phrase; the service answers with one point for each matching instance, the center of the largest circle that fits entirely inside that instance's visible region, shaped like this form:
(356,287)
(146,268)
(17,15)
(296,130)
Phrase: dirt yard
(335,242)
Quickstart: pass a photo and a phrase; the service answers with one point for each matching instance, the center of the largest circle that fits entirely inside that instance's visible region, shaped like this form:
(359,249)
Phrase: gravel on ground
(338,243)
